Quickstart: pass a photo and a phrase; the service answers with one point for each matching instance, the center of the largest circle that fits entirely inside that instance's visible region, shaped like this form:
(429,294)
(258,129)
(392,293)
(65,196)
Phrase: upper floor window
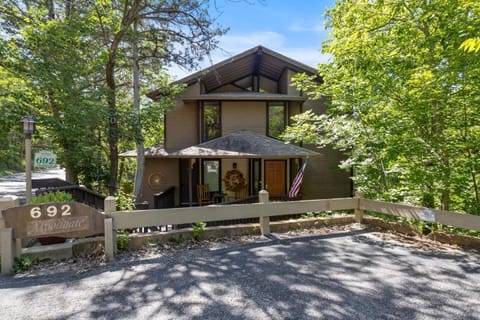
(277,118)
(210,120)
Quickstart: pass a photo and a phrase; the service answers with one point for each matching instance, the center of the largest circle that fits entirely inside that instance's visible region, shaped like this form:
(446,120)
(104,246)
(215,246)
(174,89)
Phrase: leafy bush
(21,264)
(177,240)
(123,240)
(198,229)
(125,201)
(59,196)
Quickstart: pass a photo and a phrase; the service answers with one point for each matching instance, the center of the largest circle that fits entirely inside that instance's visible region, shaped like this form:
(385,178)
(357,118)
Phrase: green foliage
(403,100)
(125,201)
(198,230)
(59,196)
(70,65)
(123,240)
(471,45)
(177,239)
(21,263)
(317,214)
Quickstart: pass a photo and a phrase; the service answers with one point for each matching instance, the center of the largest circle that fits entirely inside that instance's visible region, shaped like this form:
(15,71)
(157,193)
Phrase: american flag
(297,182)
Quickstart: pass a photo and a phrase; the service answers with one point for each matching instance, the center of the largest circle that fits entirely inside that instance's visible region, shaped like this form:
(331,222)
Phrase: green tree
(179,31)
(47,47)
(73,61)
(404,100)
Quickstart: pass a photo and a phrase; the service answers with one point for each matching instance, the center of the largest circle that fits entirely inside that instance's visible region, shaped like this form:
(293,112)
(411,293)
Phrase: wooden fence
(115,220)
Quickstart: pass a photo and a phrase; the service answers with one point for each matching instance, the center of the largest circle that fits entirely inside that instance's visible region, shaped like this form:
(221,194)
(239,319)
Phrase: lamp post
(28,126)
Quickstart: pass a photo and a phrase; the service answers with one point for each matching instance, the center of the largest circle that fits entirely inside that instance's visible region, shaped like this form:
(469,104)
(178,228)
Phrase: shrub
(59,196)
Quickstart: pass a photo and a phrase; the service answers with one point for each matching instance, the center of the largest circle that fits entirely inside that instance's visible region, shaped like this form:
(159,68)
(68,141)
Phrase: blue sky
(294,28)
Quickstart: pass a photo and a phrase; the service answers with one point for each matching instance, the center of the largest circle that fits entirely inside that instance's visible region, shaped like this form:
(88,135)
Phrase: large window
(210,120)
(211,174)
(276,113)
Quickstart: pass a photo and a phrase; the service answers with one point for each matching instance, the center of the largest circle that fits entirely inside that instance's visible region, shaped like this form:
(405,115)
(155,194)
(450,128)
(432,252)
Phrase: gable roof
(258,61)
(239,144)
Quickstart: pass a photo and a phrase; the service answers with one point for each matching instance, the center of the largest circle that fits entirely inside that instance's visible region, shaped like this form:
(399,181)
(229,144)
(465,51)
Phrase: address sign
(45,159)
(66,219)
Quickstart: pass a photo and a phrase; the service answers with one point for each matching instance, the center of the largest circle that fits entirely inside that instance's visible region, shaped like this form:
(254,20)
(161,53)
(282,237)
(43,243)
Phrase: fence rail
(137,219)
(115,220)
(459,220)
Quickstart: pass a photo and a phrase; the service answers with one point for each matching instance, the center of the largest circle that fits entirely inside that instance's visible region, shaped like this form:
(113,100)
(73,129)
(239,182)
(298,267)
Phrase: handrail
(79,194)
(164,199)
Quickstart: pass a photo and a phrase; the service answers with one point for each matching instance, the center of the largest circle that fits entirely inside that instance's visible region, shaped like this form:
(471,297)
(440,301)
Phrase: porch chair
(203,195)
(241,193)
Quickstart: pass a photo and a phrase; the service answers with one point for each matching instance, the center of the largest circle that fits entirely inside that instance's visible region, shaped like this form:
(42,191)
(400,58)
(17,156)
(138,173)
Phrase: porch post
(190,184)
(262,170)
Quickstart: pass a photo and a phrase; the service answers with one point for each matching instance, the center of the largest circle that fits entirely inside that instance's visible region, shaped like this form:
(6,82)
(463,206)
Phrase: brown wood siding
(160,174)
(182,126)
(323,178)
(238,115)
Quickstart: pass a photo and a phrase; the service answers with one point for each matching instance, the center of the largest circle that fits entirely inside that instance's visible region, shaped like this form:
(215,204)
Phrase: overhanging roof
(245,96)
(240,144)
(256,61)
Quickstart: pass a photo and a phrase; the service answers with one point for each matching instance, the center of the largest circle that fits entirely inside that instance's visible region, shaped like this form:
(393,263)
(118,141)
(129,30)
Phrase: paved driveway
(14,184)
(346,276)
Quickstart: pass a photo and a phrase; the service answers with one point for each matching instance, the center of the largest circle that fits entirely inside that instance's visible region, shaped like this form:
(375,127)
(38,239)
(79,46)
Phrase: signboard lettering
(67,219)
(56,226)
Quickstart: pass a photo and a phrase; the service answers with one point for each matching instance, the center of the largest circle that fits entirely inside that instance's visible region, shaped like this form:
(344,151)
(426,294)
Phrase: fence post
(263,197)
(5,203)
(358,212)
(8,250)
(110,241)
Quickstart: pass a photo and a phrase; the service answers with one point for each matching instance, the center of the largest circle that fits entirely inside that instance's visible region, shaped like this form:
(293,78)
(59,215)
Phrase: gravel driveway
(352,275)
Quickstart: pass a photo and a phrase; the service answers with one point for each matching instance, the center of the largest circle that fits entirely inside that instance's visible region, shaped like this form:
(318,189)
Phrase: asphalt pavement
(14,185)
(338,276)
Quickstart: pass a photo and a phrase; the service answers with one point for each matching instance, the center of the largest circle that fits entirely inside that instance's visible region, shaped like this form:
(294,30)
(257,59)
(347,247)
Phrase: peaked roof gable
(259,61)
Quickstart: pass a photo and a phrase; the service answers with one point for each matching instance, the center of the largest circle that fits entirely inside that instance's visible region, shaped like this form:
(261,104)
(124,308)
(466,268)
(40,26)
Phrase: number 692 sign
(45,159)
(66,219)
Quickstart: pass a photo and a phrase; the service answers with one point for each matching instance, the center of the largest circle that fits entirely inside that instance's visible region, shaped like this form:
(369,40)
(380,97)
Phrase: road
(14,184)
(340,276)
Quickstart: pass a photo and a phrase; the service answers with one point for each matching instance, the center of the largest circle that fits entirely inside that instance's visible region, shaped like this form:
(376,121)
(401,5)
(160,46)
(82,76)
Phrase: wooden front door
(275,174)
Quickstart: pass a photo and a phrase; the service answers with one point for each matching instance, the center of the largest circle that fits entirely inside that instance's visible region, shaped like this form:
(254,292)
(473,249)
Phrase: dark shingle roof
(240,144)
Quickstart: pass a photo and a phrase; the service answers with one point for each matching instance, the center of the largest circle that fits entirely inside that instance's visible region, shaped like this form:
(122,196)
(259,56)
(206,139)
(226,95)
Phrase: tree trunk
(139,173)
(113,117)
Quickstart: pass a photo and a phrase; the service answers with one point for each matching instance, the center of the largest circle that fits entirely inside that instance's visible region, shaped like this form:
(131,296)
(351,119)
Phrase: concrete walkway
(14,184)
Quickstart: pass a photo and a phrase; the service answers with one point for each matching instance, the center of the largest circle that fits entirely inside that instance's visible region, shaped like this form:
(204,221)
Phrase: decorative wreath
(234,181)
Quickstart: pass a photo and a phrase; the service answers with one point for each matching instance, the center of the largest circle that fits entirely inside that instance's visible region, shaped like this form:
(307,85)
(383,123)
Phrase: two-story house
(224,132)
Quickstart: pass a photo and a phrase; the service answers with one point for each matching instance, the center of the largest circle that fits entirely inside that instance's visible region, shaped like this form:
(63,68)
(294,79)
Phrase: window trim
(202,120)
(285,116)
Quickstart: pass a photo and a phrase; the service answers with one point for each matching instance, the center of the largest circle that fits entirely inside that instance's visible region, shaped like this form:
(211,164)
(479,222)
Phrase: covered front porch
(234,167)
